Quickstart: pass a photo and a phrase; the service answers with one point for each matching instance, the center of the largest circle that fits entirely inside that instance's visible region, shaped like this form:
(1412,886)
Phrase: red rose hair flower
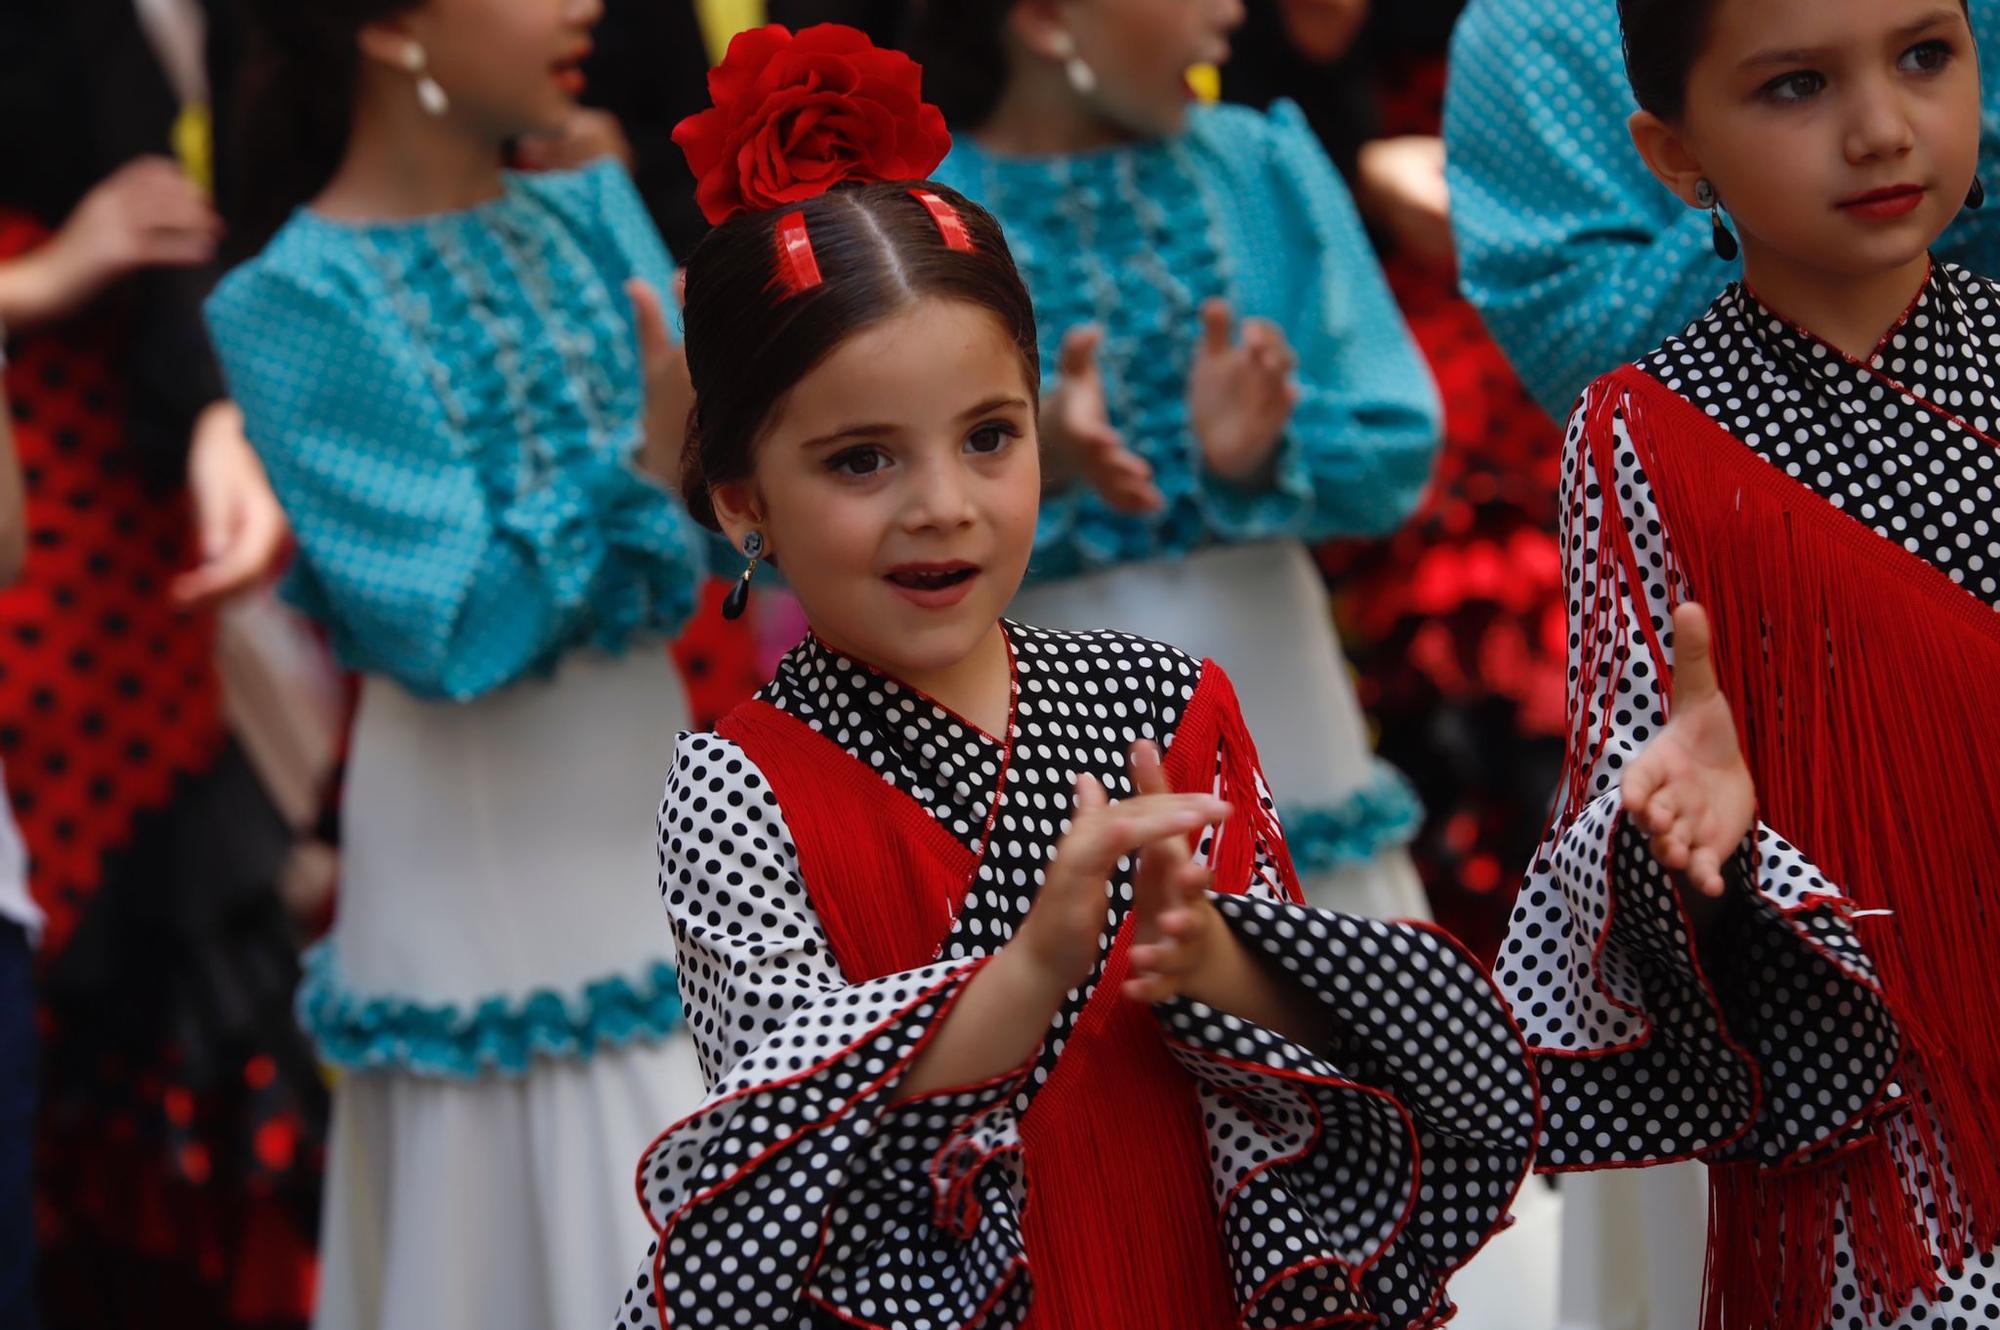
(796,115)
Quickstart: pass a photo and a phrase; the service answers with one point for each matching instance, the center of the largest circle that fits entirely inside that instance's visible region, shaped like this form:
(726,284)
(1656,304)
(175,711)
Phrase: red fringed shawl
(1121,1225)
(1866,686)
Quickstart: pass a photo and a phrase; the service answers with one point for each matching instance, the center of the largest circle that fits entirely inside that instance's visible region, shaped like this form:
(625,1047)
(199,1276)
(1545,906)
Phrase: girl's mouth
(1884,204)
(568,73)
(933,585)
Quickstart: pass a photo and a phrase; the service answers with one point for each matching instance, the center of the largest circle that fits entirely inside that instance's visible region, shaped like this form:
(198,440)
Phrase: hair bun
(795,115)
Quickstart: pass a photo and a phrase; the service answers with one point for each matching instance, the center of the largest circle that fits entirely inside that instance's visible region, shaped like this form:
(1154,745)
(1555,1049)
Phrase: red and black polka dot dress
(177,1155)
(108,695)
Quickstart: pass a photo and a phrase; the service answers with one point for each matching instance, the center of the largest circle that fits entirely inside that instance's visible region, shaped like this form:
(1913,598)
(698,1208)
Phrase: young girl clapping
(989,935)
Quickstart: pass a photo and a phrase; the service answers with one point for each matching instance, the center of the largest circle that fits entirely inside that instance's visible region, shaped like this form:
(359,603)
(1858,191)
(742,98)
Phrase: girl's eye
(991,438)
(857,462)
(1795,87)
(1927,57)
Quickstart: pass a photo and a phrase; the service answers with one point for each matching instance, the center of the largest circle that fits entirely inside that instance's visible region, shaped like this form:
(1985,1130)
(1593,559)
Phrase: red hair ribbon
(949,224)
(798,270)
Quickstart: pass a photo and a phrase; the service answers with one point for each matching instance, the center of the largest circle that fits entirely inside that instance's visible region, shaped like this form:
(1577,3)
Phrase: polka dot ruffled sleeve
(1354,1176)
(1762,1037)
(1336,1167)
(801,1181)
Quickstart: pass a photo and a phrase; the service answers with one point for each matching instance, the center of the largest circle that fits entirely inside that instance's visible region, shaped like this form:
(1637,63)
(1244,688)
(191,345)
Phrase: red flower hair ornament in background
(795,115)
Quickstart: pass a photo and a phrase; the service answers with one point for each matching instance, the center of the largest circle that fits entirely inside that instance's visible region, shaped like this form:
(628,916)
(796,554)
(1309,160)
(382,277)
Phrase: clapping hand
(1241,392)
(1690,789)
(669,391)
(1062,932)
(1179,930)
(1078,437)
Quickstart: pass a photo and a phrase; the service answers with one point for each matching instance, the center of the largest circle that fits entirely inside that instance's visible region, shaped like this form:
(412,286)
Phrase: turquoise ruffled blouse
(448,409)
(1243,205)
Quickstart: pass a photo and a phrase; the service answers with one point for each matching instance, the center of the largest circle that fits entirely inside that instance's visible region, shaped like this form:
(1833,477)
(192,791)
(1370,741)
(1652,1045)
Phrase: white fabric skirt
(508,845)
(1261,612)
(498,1204)
(499,866)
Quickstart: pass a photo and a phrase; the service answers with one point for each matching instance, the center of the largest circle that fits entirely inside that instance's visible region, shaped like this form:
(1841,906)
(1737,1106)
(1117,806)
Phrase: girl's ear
(740,510)
(387,41)
(1038,26)
(1666,155)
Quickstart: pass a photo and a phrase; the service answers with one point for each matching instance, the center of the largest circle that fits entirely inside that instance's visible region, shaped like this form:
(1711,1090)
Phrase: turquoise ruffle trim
(1382,815)
(500,1035)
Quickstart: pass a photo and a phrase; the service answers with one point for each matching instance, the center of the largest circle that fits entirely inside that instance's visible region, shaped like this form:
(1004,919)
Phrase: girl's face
(1840,135)
(510,67)
(1141,51)
(897,487)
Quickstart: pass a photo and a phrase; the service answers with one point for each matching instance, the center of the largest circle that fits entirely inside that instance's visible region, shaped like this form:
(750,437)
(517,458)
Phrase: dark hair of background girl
(749,341)
(1663,39)
(296,105)
(961,47)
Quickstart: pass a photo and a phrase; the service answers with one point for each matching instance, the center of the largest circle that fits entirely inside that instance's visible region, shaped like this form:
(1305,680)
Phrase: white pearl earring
(1082,78)
(430,94)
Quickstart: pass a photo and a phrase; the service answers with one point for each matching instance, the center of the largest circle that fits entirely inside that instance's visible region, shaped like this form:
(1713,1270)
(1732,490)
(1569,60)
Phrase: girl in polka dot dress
(1761,932)
(461,385)
(989,937)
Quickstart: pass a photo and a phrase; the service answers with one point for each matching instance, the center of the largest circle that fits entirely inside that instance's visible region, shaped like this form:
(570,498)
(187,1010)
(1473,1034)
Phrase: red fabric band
(949,224)
(798,270)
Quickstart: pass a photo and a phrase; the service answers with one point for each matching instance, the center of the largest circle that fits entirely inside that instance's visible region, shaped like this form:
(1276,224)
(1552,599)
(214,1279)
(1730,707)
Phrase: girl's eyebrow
(992,404)
(847,433)
(1806,55)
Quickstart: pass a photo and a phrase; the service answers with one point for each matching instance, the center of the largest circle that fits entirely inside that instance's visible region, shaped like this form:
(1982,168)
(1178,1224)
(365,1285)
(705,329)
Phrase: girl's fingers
(1144,819)
(654,342)
(1149,775)
(1705,871)
(1662,811)
(1671,850)
(1694,670)
(1216,318)
(1079,350)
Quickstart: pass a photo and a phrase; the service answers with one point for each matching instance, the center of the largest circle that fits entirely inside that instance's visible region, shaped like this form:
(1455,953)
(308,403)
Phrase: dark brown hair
(1663,39)
(750,340)
(297,106)
(961,45)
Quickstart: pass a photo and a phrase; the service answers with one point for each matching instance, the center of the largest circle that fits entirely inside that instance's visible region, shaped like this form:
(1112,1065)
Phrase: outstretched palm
(1690,789)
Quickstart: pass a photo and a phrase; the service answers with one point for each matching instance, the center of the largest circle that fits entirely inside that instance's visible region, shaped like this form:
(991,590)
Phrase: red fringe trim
(1861,677)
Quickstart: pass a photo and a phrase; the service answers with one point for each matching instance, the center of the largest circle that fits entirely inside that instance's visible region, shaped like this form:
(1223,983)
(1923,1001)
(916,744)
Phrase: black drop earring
(1725,244)
(738,598)
(1975,198)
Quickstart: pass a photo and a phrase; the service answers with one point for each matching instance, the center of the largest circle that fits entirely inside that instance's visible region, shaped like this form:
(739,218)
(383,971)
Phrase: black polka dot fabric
(1766,1038)
(1350,1178)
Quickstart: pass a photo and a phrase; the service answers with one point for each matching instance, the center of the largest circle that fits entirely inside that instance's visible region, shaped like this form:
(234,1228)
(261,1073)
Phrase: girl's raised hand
(1077,434)
(669,390)
(1061,934)
(1241,393)
(1690,789)
(1179,928)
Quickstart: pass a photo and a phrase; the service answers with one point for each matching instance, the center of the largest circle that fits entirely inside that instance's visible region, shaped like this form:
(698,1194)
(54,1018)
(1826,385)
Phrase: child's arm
(13,510)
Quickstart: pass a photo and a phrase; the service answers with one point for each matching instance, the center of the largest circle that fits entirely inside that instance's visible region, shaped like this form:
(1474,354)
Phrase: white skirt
(1261,612)
(492,992)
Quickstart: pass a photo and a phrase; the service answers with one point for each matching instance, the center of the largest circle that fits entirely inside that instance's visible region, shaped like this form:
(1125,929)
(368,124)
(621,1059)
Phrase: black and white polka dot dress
(1349,1178)
(1775,1044)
